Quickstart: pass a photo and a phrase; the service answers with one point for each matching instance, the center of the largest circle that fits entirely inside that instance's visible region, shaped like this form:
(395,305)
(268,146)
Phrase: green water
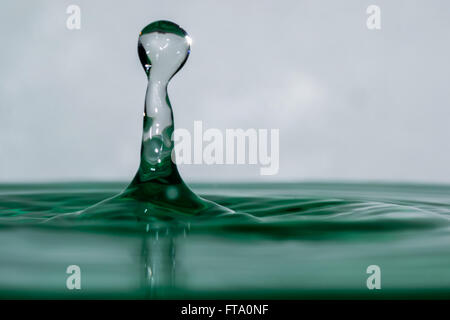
(306,240)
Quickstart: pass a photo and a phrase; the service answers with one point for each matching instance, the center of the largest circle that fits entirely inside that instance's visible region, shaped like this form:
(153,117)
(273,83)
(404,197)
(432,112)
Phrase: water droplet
(163,49)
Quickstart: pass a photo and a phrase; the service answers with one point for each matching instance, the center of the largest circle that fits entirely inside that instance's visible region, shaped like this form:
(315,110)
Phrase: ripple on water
(293,240)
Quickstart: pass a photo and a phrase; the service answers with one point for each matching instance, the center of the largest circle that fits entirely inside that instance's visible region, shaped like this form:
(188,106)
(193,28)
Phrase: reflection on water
(286,240)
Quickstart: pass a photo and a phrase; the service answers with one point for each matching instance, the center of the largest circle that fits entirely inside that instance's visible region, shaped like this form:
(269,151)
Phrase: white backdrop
(350,103)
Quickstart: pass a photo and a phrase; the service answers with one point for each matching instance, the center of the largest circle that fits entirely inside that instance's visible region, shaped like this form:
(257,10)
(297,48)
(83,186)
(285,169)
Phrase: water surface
(292,240)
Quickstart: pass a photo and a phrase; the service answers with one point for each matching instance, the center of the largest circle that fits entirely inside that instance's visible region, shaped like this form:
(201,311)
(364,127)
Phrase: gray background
(350,103)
